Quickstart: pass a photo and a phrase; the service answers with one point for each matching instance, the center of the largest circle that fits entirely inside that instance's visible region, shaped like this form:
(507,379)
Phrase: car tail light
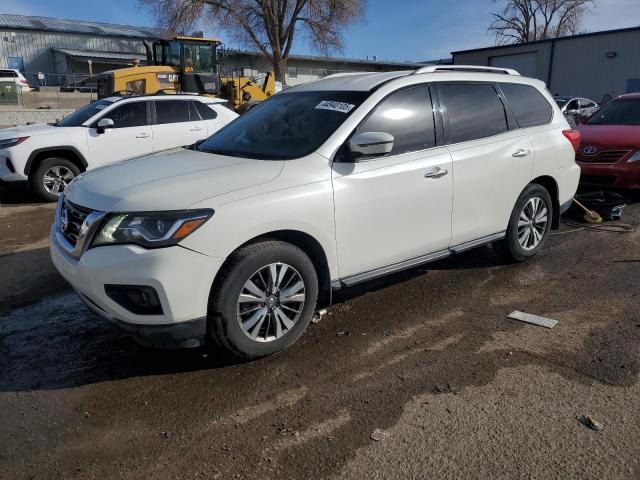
(23,81)
(574,136)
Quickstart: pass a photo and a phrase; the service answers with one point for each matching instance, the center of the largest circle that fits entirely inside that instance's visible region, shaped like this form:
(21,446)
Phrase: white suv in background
(49,156)
(321,187)
(10,75)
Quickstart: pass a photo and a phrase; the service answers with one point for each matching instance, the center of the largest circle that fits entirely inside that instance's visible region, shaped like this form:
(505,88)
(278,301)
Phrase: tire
(67,172)
(227,313)
(517,246)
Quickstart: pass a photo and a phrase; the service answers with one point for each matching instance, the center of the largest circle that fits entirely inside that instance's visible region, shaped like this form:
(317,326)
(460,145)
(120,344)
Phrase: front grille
(607,156)
(71,219)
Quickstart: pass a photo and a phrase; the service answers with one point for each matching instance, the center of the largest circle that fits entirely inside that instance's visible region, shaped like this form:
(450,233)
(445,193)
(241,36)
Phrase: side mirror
(573,112)
(370,144)
(104,124)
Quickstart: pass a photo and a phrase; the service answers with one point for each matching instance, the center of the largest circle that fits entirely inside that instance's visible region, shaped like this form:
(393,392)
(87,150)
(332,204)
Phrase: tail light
(574,136)
(23,81)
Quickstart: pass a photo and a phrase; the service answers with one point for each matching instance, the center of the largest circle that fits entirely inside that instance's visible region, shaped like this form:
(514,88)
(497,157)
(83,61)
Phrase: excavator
(185,65)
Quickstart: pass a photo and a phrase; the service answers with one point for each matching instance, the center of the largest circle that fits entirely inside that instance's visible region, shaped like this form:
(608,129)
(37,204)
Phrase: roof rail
(465,68)
(344,74)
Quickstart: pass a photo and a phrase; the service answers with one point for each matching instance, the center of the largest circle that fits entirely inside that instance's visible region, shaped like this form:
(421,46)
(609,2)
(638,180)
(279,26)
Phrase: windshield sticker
(335,106)
(100,107)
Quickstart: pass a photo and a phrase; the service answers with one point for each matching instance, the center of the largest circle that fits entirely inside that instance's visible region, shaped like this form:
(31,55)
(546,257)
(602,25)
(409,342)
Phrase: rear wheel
(264,299)
(52,176)
(529,224)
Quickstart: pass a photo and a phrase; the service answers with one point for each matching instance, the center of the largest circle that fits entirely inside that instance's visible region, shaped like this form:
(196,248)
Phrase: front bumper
(182,279)
(12,163)
(622,175)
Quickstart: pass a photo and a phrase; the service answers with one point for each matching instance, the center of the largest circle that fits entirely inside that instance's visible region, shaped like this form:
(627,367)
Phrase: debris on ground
(534,319)
(379,435)
(445,388)
(589,422)
(605,204)
(344,333)
(318,316)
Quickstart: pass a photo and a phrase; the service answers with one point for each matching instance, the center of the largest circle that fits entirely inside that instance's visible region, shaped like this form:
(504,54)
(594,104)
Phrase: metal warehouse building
(68,50)
(592,65)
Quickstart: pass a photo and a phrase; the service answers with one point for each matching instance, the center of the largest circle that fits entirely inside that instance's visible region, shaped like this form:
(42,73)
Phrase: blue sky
(391,30)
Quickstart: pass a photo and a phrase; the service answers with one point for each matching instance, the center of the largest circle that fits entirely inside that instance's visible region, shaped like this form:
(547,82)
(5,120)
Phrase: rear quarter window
(527,104)
(206,112)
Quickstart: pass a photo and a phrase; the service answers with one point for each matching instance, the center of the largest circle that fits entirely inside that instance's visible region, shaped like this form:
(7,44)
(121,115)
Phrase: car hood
(28,131)
(610,135)
(172,180)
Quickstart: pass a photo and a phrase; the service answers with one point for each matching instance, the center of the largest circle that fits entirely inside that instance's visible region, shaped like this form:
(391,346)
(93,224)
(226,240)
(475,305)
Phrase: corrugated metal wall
(36,47)
(581,66)
(483,57)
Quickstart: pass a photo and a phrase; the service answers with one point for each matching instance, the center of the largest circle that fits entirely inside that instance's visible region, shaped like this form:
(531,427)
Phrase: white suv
(103,132)
(321,187)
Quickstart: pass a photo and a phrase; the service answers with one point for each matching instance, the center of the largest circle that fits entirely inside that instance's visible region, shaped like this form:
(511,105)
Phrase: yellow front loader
(186,65)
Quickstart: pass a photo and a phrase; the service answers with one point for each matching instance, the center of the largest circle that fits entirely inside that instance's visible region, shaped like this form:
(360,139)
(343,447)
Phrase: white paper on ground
(534,319)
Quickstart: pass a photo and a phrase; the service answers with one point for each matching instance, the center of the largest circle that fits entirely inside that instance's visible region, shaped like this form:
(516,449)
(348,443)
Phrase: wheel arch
(550,184)
(67,151)
(311,247)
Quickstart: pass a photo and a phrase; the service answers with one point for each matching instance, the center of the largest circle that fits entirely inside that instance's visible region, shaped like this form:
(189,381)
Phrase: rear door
(177,124)
(491,163)
(131,136)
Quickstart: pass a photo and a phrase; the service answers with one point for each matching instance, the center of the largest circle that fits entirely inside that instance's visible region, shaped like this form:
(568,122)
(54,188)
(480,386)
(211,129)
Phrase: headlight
(635,157)
(11,142)
(151,230)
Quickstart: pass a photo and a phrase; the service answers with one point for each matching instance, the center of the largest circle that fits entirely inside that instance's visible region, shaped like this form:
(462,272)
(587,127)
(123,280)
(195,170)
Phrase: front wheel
(529,224)
(264,299)
(52,176)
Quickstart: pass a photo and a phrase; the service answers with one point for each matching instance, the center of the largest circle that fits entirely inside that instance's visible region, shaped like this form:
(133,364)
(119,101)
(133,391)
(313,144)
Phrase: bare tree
(529,20)
(268,25)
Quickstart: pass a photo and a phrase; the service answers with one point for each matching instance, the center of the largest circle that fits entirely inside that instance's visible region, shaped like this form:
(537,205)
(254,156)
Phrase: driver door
(396,208)
(130,137)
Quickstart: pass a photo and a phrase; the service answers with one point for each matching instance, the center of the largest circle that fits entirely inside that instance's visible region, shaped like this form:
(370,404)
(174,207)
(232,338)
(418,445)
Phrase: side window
(172,111)
(132,114)
(528,105)
(584,103)
(206,112)
(573,105)
(474,111)
(408,116)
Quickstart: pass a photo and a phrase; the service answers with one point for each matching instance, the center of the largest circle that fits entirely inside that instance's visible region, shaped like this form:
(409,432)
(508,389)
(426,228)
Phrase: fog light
(138,299)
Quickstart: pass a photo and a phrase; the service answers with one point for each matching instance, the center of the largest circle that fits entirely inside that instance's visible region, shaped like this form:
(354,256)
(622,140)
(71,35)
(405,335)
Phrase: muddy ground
(428,356)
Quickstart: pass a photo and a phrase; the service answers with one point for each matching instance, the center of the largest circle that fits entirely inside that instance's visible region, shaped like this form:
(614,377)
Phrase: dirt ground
(428,356)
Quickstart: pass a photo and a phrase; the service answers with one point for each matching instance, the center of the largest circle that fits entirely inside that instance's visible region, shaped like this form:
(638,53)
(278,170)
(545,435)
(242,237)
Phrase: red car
(609,152)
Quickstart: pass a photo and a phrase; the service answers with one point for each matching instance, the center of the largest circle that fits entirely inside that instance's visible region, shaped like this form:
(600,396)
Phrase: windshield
(198,57)
(288,125)
(618,112)
(561,102)
(78,117)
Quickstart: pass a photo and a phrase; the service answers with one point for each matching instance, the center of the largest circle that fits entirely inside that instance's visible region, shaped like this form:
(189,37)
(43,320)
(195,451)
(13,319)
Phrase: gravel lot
(428,356)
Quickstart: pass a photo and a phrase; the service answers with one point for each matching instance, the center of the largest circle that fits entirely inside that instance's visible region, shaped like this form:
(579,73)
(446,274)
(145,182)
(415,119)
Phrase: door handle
(196,129)
(521,152)
(437,173)
(143,135)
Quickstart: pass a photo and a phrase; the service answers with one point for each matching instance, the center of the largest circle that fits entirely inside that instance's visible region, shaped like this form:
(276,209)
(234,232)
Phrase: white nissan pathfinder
(321,187)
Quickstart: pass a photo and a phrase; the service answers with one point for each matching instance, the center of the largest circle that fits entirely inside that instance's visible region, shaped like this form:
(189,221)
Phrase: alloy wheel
(56,179)
(271,302)
(532,223)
